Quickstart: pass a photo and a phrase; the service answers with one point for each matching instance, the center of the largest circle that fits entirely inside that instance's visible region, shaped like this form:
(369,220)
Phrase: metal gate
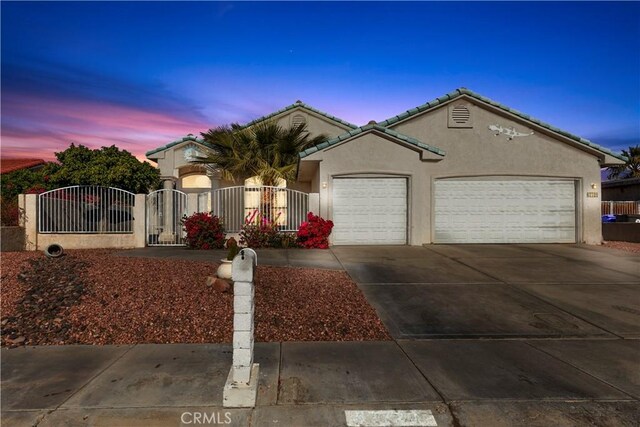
(165,209)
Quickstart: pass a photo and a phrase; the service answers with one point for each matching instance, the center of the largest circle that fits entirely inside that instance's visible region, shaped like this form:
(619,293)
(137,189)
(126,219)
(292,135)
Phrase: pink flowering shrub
(314,232)
(204,231)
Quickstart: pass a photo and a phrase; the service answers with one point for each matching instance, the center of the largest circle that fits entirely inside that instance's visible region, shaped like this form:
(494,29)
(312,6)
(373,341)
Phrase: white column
(140,220)
(168,234)
(241,388)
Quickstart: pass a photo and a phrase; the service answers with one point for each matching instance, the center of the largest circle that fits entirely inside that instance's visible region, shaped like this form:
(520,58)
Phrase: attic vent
(460,114)
(298,120)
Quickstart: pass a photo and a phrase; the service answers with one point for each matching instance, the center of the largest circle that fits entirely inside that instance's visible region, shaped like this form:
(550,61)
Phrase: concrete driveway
(490,324)
(499,291)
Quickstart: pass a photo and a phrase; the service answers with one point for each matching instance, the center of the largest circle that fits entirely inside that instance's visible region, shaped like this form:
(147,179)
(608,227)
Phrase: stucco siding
(475,151)
(478,151)
(316,124)
(373,155)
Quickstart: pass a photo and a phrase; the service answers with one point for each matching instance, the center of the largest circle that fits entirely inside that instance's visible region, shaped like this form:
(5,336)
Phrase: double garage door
(373,211)
(505,211)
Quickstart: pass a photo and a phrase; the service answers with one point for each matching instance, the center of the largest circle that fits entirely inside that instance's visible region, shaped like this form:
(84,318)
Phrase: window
(196,181)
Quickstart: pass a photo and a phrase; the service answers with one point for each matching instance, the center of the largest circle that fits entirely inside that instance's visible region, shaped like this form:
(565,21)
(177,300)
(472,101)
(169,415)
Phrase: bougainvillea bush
(314,232)
(204,231)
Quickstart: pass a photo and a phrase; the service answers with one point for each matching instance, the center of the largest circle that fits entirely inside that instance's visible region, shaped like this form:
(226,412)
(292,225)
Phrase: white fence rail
(86,209)
(620,207)
(107,210)
(237,205)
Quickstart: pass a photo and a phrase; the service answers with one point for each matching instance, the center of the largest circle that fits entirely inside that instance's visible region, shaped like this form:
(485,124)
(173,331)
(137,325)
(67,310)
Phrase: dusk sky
(142,74)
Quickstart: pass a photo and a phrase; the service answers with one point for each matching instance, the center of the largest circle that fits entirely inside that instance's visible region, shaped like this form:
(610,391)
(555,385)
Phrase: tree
(631,168)
(107,166)
(266,150)
(27,181)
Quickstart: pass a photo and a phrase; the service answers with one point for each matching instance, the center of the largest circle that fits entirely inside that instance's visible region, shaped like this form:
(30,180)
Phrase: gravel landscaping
(93,297)
(623,246)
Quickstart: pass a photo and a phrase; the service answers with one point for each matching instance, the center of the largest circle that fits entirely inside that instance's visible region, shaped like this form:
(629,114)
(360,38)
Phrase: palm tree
(631,168)
(265,150)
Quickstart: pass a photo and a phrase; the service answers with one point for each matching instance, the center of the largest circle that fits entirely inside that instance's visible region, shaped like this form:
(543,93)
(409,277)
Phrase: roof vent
(372,122)
(460,116)
(298,120)
(298,102)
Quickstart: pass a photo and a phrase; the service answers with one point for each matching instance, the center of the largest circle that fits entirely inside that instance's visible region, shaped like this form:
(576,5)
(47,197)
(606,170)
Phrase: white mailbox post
(241,388)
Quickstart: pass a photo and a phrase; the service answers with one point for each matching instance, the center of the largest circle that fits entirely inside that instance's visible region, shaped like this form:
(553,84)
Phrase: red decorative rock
(221,285)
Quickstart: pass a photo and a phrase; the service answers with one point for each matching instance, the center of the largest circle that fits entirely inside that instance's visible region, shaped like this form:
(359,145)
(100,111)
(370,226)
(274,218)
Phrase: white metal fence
(95,209)
(620,207)
(237,205)
(165,209)
(86,209)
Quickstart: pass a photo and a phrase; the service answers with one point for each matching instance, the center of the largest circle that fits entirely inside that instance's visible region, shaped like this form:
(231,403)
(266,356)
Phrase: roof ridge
(303,105)
(464,91)
(187,138)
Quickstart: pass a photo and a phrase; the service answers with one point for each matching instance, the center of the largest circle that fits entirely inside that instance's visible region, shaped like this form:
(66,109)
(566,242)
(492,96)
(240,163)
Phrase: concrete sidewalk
(451,382)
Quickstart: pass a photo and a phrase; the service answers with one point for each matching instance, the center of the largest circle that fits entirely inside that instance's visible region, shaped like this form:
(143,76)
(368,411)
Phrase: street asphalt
(484,335)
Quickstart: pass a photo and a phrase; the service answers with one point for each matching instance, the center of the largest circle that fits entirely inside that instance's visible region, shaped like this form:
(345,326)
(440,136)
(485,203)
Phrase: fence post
(610,207)
(241,388)
(140,220)
(30,205)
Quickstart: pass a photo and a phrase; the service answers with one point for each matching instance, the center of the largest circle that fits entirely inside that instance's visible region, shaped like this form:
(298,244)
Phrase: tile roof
(10,165)
(188,138)
(300,104)
(290,107)
(464,91)
(367,128)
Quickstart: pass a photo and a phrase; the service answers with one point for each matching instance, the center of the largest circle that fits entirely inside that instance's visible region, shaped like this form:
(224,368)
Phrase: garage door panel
(369,211)
(516,211)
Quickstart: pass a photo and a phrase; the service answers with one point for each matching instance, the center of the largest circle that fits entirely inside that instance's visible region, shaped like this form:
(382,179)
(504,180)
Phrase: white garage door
(369,211)
(505,211)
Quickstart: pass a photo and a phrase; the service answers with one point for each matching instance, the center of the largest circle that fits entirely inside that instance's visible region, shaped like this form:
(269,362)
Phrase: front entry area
(505,210)
(369,211)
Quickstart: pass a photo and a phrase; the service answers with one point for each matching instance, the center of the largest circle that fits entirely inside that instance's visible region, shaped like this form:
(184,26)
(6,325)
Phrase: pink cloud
(43,126)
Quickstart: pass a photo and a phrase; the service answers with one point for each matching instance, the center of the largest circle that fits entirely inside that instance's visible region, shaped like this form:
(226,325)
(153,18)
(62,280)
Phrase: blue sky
(141,74)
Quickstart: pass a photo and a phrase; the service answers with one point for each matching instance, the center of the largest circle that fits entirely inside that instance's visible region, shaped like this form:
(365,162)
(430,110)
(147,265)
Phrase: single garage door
(505,211)
(369,211)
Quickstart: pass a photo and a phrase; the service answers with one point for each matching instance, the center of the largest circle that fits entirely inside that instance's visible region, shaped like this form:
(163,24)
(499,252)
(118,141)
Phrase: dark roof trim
(370,128)
(620,182)
(300,104)
(464,91)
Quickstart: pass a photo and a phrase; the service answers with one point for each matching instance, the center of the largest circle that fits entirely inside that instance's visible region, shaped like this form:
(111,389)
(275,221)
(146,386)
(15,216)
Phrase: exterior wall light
(324,185)
(594,186)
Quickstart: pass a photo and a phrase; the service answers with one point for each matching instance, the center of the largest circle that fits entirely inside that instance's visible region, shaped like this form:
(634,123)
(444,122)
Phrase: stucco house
(459,169)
